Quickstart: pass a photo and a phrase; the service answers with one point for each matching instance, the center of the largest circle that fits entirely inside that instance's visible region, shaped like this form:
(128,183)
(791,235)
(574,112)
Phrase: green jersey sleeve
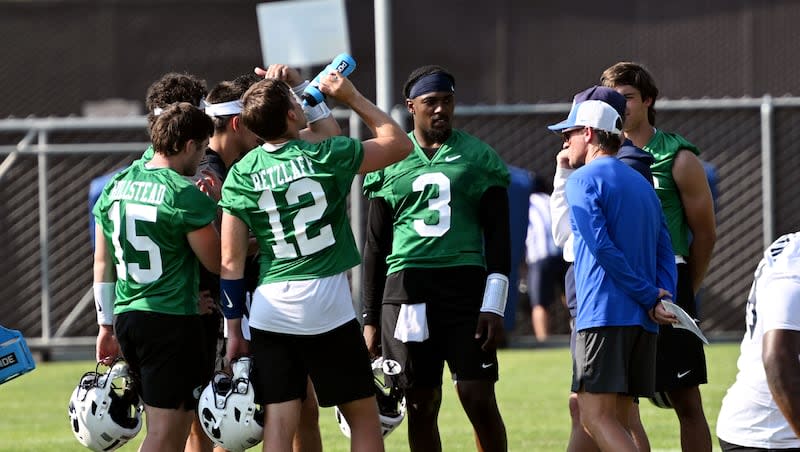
(193,209)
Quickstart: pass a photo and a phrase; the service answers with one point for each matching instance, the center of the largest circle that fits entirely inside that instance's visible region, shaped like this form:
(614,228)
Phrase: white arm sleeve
(495,294)
(559,210)
(104,297)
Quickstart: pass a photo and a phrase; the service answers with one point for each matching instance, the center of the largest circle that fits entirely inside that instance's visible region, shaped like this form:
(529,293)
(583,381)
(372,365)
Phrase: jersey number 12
(307,215)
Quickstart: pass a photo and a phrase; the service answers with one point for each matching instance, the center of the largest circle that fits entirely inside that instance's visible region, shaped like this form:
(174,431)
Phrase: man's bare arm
(781,356)
(698,206)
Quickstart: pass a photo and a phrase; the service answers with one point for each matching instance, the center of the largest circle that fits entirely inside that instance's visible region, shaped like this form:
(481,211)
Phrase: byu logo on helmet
(391,403)
(390,367)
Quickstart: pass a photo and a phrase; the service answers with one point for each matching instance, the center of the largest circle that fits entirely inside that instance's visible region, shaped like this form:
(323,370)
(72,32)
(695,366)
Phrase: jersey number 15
(133,213)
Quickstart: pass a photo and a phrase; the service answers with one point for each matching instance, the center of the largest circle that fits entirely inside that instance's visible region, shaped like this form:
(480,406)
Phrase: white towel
(412,323)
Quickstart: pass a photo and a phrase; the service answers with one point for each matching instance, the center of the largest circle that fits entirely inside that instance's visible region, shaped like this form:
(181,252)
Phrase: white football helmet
(391,403)
(227,409)
(104,410)
(661,400)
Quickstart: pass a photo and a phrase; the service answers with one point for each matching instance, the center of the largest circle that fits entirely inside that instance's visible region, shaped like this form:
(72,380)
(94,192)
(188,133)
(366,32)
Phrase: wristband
(495,294)
(104,297)
(317,112)
(232,297)
(298,90)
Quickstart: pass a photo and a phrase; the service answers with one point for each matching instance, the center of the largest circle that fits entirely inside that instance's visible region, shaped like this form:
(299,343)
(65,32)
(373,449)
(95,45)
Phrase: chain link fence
(47,167)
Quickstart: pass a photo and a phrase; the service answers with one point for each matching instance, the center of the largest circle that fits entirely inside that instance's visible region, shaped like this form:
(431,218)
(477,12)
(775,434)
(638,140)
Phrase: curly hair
(173,87)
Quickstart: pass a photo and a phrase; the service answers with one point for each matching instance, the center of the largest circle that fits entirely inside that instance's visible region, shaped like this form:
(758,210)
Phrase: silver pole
(383,99)
(767,176)
(383,55)
(356,219)
(44,249)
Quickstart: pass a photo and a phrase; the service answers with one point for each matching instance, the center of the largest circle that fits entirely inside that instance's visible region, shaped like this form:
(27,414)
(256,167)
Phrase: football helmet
(227,409)
(104,410)
(661,400)
(391,403)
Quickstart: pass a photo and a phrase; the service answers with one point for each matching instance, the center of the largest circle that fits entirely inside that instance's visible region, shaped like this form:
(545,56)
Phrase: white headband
(158,110)
(233,107)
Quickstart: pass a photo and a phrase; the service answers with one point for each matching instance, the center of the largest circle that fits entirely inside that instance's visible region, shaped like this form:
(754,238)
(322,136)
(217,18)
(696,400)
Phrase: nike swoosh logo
(450,158)
(230,303)
(486,366)
(683,374)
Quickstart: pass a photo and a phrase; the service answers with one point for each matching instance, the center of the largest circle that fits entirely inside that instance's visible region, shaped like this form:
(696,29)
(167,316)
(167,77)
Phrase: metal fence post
(355,218)
(767,176)
(44,248)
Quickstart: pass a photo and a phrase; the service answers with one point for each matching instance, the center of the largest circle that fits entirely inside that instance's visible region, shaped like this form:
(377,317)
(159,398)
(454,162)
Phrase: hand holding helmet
(105,411)
(227,409)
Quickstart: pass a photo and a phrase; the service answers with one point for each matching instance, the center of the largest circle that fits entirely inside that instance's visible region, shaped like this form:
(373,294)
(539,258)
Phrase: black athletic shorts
(680,360)
(614,359)
(453,297)
(166,356)
(337,361)
(213,343)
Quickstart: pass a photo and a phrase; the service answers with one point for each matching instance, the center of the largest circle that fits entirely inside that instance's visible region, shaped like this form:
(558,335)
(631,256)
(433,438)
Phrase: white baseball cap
(591,113)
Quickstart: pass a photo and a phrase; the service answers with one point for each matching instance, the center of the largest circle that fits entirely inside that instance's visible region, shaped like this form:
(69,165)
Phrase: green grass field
(532,394)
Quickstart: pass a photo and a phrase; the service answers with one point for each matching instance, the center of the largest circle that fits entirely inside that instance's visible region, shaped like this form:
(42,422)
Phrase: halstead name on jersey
(282,173)
(145,192)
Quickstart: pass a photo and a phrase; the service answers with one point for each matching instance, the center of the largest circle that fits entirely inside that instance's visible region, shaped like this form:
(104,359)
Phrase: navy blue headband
(431,83)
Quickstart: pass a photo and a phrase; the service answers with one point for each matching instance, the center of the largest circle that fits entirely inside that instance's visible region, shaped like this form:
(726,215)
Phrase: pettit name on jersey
(282,173)
(145,192)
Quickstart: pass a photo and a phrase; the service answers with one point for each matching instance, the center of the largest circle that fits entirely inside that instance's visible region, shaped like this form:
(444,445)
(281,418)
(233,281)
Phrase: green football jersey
(664,147)
(294,200)
(145,215)
(436,202)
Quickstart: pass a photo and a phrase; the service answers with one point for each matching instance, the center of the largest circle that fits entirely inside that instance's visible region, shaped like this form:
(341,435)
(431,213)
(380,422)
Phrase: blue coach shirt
(623,252)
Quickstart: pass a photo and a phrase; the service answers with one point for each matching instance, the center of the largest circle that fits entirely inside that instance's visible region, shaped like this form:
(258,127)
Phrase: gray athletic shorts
(616,359)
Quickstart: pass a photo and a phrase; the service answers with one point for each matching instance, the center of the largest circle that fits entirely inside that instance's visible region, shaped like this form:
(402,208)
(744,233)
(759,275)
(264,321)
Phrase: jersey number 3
(440,204)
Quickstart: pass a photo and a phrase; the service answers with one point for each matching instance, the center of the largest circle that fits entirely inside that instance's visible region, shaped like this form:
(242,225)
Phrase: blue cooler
(15,357)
